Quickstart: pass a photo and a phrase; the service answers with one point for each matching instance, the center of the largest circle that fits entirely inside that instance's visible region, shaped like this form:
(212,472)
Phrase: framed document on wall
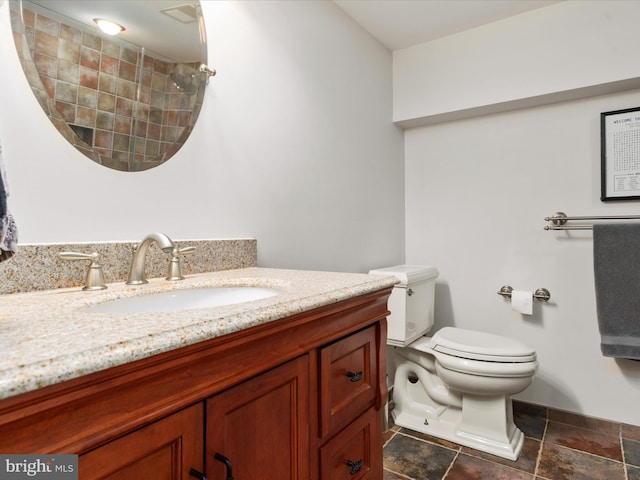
(620,154)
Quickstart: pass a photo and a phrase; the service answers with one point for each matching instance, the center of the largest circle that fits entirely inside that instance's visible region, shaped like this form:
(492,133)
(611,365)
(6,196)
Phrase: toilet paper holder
(541,294)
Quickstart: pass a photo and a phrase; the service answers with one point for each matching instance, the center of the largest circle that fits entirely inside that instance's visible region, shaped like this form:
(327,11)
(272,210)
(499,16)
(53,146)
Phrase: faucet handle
(175,265)
(95,275)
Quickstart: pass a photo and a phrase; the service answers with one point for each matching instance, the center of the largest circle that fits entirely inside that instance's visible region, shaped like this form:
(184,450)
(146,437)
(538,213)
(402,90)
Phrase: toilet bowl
(457,384)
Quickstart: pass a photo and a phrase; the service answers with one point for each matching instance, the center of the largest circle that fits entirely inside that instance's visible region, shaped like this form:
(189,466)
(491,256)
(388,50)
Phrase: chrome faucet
(136,272)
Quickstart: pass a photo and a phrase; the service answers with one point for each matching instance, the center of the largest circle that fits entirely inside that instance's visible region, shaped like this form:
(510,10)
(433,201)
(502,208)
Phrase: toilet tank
(411,302)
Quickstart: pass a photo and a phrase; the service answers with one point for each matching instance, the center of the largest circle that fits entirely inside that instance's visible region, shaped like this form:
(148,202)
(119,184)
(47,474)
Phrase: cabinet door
(165,450)
(348,376)
(356,452)
(261,426)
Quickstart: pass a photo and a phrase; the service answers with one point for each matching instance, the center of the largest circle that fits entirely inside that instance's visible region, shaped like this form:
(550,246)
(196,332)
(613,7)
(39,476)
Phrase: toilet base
(447,427)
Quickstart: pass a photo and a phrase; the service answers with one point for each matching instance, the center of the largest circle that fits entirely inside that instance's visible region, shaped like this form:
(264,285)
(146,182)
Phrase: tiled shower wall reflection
(94,84)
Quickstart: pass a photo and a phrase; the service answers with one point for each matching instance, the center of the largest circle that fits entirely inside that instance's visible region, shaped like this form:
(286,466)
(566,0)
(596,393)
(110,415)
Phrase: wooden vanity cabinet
(297,398)
(355,453)
(260,428)
(350,434)
(168,449)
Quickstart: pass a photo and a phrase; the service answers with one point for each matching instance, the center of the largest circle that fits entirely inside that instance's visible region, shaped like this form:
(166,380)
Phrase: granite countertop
(48,337)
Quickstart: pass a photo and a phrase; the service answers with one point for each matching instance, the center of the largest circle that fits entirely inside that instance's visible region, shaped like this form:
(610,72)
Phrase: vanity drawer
(348,375)
(356,452)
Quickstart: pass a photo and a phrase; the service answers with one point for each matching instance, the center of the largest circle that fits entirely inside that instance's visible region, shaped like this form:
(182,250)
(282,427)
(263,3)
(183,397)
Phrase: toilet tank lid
(481,345)
(408,274)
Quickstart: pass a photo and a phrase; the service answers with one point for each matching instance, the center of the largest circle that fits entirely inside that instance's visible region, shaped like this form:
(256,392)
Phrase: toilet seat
(486,368)
(481,346)
(478,353)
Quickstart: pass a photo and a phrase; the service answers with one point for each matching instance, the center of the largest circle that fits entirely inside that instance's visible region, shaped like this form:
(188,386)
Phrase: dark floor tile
(602,426)
(633,473)
(575,448)
(584,440)
(394,428)
(387,475)
(632,432)
(526,461)
(466,467)
(631,452)
(388,435)
(531,419)
(531,426)
(529,409)
(430,438)
(561,463)
(416,458)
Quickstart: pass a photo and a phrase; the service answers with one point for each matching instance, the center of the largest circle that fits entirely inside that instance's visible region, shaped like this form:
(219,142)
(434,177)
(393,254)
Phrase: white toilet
(457,384)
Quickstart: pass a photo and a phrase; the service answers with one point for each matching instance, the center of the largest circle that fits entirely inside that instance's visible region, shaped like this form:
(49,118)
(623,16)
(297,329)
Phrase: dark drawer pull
(197,474)
(355,377)
(227,463)
(355,466)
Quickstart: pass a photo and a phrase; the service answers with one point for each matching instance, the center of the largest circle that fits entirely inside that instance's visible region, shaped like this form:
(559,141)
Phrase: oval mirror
(127,101)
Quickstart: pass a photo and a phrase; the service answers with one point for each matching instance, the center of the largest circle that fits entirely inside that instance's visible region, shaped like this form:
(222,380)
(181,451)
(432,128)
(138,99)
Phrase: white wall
(567,50)
(295,147)
(477,192)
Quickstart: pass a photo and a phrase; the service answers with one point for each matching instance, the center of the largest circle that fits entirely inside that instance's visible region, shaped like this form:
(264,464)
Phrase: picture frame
(620,154)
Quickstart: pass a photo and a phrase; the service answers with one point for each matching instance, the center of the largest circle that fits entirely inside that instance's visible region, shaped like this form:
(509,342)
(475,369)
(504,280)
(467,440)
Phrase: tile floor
(558,446)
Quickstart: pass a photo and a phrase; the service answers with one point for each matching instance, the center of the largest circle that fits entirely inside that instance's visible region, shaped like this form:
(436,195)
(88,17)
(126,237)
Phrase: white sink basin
(187,299)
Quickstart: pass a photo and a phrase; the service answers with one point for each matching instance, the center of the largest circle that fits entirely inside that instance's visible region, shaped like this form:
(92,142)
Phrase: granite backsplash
(38,267)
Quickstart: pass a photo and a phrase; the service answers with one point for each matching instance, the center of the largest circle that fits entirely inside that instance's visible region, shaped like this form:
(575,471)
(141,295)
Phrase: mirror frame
(144,123)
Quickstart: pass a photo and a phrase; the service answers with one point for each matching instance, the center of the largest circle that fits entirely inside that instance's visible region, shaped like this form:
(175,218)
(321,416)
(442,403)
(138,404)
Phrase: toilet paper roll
(522,302)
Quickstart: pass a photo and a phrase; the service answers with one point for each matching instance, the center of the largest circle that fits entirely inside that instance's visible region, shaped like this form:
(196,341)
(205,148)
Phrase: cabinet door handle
(355,376)
(355,466)
(227,463)
(197,474)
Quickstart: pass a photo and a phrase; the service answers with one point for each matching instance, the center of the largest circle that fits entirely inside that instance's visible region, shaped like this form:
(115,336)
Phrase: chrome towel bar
(559,219)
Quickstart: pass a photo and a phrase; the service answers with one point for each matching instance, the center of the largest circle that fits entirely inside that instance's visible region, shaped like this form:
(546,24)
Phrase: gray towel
(616,262)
